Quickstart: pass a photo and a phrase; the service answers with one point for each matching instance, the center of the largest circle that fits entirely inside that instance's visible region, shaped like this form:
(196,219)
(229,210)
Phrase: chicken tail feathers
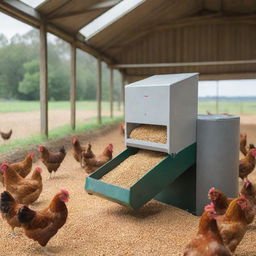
(6,202)
(62,150)
(25,215)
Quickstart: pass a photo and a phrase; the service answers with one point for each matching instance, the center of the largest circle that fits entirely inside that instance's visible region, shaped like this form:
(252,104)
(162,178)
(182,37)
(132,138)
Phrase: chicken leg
(50,176)
(46,251)
(13,234)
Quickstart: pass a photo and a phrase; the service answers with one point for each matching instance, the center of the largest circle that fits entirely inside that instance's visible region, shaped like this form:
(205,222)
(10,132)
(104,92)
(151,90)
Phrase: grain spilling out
(153,133)
(133,168)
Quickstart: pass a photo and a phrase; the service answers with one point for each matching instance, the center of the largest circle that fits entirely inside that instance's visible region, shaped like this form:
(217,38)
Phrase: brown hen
(208,241)
(42,225)
(93,163)
(24,190)
(52,160)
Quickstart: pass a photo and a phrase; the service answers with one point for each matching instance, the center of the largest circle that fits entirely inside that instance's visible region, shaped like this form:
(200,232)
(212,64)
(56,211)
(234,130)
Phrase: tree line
(19,70)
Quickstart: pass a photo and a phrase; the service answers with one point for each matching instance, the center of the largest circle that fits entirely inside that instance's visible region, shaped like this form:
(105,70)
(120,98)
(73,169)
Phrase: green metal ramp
(176,171)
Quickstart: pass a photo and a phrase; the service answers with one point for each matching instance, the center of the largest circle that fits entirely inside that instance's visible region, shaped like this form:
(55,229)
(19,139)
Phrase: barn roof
(213,37)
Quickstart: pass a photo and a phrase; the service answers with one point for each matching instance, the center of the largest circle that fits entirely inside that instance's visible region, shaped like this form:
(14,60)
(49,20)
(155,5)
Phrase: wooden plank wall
(216,42)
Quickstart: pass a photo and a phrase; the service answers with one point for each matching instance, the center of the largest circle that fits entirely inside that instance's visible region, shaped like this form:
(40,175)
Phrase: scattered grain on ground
(153,133)
(98,227)
(133,168)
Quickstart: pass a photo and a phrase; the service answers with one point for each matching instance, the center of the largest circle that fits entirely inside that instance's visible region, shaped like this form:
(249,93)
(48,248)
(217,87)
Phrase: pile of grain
(153,133)
(97,227)
(133,168)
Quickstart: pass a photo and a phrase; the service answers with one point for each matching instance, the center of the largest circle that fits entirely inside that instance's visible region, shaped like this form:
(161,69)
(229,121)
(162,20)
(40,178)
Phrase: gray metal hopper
(217,156)
(168,100)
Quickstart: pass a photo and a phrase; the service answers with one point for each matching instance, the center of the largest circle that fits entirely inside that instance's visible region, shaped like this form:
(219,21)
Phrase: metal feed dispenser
(166,100)
(162,100)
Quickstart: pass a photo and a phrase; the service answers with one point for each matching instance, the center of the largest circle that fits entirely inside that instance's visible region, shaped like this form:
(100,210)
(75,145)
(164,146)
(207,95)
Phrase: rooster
(208,241)
(42,225)
(233,224)
(23,168)
(247,164)
(25,191)
(93,163)
(78,150)
(243,142)
(9,209)
(51,160)
(6,135)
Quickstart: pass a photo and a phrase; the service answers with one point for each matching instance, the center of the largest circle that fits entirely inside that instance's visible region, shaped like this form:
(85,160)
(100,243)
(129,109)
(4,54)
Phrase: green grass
(236,108)
(59,132)
(246,107)
(25,106)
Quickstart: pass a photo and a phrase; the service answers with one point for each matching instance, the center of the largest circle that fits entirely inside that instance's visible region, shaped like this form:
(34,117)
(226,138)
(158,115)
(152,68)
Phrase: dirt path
(25,124)
(99,227)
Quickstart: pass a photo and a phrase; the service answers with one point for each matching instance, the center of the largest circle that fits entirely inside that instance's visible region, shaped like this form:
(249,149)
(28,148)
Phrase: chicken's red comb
(40,148)
(38,169)
(4,166)
(241,196)
(64,191)
(32,155)
(211,190)
(253,151)
(247,183)
(74,140)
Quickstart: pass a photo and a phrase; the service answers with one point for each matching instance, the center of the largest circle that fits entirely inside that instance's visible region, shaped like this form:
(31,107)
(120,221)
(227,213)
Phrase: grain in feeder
(133,168)
(152,133)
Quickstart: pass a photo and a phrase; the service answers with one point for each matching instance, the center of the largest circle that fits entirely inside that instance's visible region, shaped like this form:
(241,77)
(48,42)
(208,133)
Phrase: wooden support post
(73,87)
(111,86)
(99,90)
(43,80)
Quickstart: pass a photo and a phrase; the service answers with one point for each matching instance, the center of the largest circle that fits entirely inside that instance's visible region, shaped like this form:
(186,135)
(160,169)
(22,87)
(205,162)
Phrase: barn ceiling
(213,37)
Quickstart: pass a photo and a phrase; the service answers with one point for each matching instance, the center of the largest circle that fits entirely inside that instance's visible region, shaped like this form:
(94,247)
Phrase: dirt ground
(99,227)
(24,124)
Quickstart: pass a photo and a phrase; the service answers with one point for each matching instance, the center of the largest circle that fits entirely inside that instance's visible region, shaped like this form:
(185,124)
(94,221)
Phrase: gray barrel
(217,156)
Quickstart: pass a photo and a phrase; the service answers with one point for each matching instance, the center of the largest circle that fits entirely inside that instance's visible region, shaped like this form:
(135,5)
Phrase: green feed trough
(171,181)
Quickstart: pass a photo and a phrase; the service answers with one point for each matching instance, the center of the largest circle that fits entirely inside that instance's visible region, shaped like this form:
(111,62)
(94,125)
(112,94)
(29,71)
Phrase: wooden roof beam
(205,76)
(20,11)
(183,64)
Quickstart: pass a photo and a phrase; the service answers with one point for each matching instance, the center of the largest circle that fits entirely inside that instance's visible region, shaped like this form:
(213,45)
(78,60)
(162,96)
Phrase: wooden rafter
(58,8)
(184,64)
(213,76)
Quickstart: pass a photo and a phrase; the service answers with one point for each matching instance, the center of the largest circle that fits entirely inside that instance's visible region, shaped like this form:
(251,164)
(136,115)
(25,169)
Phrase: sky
(9,27)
